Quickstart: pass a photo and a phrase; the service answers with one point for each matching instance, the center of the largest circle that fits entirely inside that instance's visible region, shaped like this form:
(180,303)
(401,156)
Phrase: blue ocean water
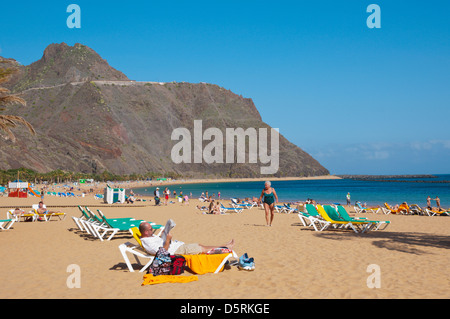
(328,191)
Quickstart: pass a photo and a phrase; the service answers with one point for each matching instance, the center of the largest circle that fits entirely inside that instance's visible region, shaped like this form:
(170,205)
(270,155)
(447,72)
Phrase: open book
(169,225)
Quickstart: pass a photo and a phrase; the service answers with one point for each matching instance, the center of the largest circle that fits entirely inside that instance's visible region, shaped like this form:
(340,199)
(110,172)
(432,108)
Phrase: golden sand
(291,261)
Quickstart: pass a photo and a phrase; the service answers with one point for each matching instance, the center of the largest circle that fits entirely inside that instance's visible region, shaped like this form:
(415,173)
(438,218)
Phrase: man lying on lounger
(43,210)
(151,243)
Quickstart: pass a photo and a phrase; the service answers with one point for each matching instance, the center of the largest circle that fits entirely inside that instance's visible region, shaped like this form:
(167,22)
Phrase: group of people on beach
(438,203)
(405,205)
(41,209)
(183,198)
(213,208)
(268,198)
(205,197)
(166,195)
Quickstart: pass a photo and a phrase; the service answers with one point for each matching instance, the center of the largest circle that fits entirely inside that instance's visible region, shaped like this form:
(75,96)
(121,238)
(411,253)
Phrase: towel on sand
(149,279)
(202,264)
(199,264)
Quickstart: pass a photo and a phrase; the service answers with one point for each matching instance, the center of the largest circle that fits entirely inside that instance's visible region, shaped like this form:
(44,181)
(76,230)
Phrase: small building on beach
(114,195)
(18,188)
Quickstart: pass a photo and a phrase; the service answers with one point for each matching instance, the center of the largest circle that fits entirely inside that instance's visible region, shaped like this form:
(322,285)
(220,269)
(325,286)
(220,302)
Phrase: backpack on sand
(178,264)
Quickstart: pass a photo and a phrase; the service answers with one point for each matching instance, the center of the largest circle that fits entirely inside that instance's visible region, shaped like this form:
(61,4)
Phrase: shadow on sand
(87,236)
(407,242)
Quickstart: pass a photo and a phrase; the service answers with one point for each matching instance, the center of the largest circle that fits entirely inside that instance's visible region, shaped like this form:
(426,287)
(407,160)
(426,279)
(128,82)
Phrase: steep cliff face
(90,117)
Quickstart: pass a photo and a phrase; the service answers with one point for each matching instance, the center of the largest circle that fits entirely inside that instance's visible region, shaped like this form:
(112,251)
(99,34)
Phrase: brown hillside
(90,117)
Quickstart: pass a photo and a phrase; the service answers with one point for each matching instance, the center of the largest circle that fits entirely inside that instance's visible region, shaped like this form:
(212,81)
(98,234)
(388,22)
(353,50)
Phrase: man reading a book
(151,243)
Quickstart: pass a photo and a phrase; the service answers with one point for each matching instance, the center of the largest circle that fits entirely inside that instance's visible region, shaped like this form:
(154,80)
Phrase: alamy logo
(374,279)
(374,19)
(74,279)
(74,20)
(257,141)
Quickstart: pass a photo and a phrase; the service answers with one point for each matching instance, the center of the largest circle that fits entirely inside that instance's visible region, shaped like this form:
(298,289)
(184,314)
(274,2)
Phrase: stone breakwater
(395,178)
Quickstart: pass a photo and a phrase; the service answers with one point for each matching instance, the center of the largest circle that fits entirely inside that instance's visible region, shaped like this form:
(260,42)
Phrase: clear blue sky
(360,100)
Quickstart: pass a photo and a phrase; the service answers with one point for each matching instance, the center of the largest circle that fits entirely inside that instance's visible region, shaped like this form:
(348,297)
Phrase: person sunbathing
(18,211)
(404,207)
(43,210)
(130,199)
(211,207)
(152,243)
(216,209)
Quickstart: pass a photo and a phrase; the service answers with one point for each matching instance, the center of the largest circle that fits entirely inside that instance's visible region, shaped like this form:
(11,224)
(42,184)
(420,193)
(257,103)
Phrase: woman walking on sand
(166,196)
(269,198)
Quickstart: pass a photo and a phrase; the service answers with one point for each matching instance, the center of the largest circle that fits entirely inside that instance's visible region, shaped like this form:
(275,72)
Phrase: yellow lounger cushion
(202,264)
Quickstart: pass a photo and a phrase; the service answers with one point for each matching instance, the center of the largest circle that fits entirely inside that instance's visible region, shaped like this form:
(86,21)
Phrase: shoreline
(237,180)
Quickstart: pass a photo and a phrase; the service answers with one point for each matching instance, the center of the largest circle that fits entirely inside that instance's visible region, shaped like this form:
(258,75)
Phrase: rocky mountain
(62,64)
(90,117)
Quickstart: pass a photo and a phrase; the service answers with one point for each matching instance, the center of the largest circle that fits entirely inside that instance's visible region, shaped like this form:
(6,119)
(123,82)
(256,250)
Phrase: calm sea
(413,191)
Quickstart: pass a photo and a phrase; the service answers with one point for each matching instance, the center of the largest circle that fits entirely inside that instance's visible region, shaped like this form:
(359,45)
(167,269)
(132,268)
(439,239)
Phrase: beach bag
(161,264)
(178,264)
(246,263)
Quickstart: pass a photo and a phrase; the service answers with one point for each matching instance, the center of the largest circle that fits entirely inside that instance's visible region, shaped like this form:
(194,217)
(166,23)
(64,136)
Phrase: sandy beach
(291,261)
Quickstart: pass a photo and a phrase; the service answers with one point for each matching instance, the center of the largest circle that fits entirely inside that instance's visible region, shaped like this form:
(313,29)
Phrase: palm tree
(10,121)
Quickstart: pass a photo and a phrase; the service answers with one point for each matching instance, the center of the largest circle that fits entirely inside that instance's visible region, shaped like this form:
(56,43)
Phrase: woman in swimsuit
(269,198)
